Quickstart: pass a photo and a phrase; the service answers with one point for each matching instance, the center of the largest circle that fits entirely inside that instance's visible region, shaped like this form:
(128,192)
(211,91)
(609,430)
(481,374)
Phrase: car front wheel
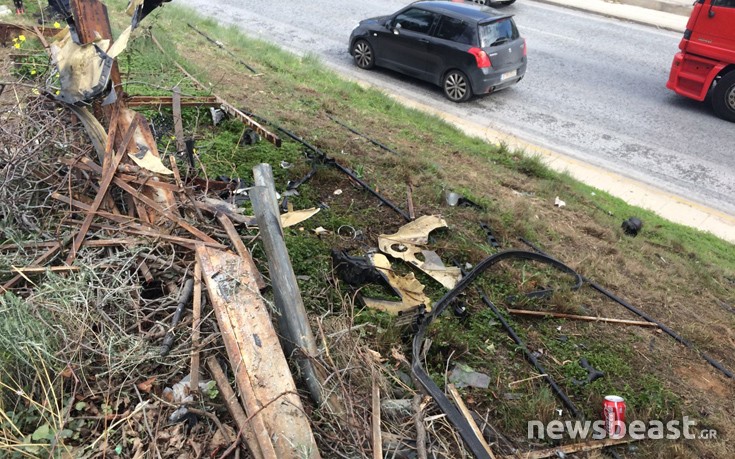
(456,86)
(723,97)
(363,54)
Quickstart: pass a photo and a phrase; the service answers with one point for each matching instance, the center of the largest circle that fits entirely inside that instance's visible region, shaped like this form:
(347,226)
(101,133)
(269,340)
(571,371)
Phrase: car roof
(464,10)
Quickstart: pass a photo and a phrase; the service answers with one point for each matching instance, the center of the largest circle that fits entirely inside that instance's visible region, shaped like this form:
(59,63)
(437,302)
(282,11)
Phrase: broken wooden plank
(418,421)
(167,101)
(43,269)
(233,406)
(570,449)
(108,173)
(178,122)
(47,255)
(558,315)
(166,213)
(241,249)
(457,399)
(196,309)
(377,440)
(144,137)
(261,371)
(132,226)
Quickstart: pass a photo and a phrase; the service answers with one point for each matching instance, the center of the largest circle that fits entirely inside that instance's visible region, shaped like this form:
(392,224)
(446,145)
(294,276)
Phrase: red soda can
(613,412)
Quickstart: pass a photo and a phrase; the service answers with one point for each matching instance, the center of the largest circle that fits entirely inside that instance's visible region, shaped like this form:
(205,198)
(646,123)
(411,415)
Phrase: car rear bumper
(490,80)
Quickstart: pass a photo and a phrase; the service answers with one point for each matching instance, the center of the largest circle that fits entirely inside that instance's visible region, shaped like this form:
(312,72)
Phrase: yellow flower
(15,40)
(33,71)
(57,25)
(17,45)
(22,37)
(35,91)
(58,92)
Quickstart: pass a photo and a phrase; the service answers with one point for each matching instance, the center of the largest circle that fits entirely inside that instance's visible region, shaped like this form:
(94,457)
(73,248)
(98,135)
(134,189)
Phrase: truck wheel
(723,97)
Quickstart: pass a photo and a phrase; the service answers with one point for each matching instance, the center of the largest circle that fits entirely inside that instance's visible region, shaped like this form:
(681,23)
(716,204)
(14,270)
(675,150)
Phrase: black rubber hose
(532,358)
(373,141)
(453,414)
(645,316)
(330,161)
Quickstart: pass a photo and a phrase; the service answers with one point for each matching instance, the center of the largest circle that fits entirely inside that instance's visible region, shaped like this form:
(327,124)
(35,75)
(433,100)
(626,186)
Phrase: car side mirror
(397,29)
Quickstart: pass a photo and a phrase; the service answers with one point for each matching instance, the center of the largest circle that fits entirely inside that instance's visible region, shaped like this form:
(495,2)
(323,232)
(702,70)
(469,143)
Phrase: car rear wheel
(363,54)
(456,86)
(723,97)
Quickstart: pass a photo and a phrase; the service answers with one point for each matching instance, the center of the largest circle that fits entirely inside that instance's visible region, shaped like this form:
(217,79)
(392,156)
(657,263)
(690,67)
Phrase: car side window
(725,3)
(415,20)
(455,30)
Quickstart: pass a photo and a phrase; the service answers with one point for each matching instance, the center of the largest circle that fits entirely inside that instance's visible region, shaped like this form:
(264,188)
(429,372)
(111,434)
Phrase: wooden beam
(261,371)
(558,315)
(178,122)
(42,269)
(233,406)
(240,248)
(570,449)
(159,101)
(196,309)
(377,440)
(166,213)
(457,399)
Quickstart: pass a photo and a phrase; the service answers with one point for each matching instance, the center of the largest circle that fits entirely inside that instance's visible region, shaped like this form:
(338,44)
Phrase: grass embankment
(683,277)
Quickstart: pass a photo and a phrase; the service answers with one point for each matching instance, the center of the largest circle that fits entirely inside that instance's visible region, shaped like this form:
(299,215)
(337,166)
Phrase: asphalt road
(594,90)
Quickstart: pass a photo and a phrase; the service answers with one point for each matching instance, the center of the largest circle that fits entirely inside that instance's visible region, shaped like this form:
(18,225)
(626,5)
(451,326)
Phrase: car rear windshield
(498,32)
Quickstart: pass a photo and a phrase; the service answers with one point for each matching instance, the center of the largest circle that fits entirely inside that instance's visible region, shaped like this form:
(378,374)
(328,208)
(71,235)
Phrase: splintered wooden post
(261,371)
(91,22)
(377,440)
(178,122)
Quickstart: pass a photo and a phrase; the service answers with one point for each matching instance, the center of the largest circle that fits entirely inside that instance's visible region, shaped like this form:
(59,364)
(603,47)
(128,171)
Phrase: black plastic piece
(490,236)
(356,271)
(632,226)
(593,374)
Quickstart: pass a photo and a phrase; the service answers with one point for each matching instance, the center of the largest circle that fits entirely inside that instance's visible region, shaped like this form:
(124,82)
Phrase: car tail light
(525,49)
(483,61)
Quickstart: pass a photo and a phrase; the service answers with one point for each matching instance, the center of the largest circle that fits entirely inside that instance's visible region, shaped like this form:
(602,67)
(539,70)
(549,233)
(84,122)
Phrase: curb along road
(665,14)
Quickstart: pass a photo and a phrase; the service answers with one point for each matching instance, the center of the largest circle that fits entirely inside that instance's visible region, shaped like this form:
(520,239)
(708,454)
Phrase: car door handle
(423,40)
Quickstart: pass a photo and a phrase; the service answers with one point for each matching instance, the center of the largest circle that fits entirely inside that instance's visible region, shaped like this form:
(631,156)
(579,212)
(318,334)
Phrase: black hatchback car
(464,48)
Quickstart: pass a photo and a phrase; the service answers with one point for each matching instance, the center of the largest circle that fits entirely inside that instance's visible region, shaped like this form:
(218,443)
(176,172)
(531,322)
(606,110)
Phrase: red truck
(706,63)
